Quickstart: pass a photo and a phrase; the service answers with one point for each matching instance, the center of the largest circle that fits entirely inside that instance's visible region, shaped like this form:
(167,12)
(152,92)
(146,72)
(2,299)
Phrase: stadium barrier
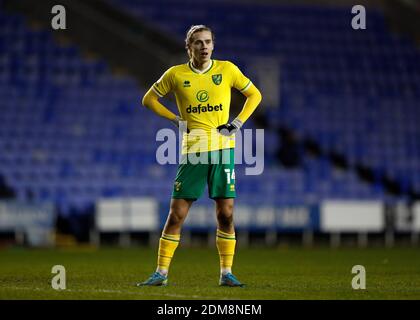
(258,218)
(31,223)
(124,216)
(359,217)
(331,217)
(34,223)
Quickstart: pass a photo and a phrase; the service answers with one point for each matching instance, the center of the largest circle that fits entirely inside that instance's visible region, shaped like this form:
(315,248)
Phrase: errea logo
(187,84)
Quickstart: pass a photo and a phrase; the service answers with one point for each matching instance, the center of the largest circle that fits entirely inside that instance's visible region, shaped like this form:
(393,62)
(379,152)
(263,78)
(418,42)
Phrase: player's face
(201,46)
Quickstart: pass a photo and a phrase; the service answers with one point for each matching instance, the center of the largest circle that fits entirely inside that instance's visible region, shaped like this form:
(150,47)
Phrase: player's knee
(176,217)
(225,209)
(225,220)
(225,215)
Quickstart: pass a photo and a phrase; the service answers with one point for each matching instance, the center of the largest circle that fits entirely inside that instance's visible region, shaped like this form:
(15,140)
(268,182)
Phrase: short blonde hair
(193,29)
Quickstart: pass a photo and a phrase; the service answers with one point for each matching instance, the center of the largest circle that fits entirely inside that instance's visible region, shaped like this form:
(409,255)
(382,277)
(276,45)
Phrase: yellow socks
(167,246)
(168,243)
(225,243)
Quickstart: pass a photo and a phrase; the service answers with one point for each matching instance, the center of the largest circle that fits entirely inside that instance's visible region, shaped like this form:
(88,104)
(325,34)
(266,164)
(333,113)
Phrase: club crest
(217,78)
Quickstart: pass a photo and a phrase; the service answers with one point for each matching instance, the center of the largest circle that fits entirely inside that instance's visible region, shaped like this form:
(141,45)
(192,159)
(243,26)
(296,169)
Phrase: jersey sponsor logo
(204,108)
(217,78)
(202,96)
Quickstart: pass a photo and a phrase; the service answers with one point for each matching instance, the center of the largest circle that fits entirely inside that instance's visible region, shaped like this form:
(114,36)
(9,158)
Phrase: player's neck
(200,65)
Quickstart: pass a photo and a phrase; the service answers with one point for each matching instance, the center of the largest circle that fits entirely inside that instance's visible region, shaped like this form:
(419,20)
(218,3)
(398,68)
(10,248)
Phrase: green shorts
(215,168)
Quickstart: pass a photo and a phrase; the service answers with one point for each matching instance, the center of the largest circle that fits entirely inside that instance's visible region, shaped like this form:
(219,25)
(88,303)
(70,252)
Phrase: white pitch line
(123,292)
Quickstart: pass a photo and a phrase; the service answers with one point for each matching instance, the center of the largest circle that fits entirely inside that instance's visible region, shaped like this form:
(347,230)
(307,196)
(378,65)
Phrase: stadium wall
(333,218)
(31,223)
(34,224)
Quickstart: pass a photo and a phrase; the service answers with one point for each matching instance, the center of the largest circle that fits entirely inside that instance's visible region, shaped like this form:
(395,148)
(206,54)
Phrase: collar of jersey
(199,71)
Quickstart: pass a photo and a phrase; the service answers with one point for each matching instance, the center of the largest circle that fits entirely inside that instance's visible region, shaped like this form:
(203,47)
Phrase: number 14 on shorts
(230,175)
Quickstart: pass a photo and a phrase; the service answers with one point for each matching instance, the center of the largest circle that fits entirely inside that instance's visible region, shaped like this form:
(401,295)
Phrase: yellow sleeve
(239,81)
(254,98)
(165,83)
(150,101)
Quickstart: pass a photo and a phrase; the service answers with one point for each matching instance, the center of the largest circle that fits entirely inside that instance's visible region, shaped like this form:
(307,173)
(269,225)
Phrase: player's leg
(222,190)
(169,241)
(171,234)
(226,241)
(189,184)
(225,234)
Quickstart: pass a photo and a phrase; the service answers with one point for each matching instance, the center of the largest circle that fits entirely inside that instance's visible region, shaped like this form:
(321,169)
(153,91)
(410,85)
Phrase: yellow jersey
(203,100)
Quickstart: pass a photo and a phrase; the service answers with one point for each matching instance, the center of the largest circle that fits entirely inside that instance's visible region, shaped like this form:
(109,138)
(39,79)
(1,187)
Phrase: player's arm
(253,99)
(151,101)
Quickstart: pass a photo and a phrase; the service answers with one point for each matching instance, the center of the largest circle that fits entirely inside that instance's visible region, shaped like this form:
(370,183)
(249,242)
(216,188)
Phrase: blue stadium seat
(72,131)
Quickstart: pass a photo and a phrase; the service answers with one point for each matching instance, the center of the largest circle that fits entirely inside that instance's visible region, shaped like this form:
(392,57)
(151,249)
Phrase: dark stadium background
(340,114)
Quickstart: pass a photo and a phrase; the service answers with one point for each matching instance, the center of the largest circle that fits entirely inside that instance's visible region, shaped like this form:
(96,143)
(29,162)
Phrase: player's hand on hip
(229,129)
(181,124)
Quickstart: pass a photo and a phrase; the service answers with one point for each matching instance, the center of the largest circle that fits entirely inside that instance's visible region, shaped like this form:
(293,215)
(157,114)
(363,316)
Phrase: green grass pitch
(277,273)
